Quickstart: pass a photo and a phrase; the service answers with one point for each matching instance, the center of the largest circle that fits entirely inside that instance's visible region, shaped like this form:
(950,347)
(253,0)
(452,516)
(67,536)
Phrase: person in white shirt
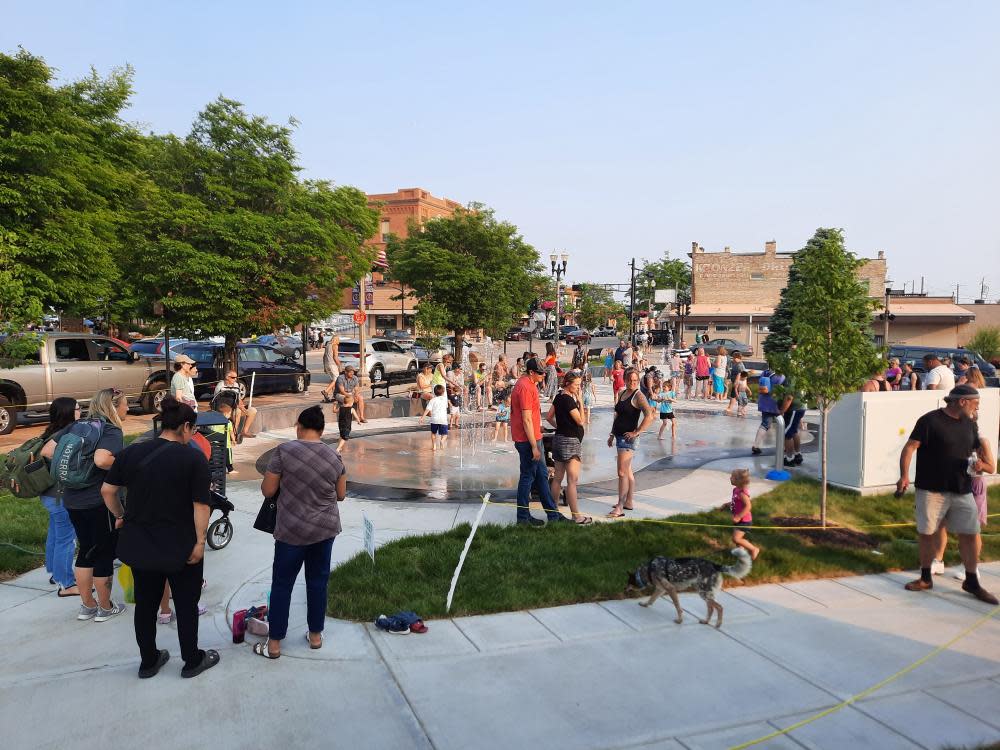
(437,410)
(938,377)
(245,415)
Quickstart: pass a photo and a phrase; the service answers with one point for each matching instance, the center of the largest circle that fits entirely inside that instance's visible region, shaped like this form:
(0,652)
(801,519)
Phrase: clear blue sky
(609,130)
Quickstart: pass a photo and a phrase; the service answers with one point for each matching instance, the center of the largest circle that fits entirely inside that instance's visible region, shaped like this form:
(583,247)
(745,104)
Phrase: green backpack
(25,472)
(73,461)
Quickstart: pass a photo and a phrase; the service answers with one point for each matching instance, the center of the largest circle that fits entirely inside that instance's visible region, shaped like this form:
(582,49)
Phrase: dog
(672,575)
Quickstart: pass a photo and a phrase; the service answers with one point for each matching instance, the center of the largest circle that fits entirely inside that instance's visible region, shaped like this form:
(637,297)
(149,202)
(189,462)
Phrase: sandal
(616,514)
(585,521)
(209,660)
(312,645)
(165,618)
(261,650)
(61,593)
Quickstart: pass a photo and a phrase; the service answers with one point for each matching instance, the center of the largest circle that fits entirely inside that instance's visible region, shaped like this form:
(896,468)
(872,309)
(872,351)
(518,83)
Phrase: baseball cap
(183,359)
(961,391)
(532,366)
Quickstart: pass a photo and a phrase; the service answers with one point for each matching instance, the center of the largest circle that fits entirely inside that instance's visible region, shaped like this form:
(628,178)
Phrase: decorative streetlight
(558,270)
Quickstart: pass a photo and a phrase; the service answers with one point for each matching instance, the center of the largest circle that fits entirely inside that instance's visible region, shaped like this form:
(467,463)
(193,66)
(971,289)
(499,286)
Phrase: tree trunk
(459,344)
(825,410)
(229,354)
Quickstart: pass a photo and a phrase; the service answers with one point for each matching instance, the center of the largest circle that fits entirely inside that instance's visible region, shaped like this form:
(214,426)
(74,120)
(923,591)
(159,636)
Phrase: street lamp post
(558,270)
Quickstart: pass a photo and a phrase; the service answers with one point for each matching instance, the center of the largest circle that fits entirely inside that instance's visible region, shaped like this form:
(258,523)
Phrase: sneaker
(789,461)
(530,521)
(959,574)
(86,613)
(559,519)
(103,615)
(798,459)
(937,568)
(980,593)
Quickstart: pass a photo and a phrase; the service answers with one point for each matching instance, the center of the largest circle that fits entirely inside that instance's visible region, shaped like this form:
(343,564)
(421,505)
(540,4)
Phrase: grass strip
(513,568)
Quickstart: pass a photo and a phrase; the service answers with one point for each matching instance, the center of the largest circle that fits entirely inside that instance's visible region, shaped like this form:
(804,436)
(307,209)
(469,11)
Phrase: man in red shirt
(526,429)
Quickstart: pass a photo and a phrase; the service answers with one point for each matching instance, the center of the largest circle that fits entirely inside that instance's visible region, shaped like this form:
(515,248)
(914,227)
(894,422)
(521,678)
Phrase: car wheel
(299,384)
(8,417)
(411,370)
(152,400)
(377,374)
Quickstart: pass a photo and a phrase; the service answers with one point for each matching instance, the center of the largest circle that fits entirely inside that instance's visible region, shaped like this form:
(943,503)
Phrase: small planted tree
(829,350)
(986,343)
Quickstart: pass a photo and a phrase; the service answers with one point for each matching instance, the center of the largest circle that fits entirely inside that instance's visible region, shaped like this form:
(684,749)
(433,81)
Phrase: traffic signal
(575,287)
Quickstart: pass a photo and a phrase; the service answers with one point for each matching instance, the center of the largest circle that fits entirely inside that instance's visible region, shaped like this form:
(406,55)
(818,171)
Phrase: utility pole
(885,332)
(631,304)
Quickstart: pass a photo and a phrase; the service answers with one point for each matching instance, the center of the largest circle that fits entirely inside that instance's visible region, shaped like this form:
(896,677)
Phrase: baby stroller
(210,437)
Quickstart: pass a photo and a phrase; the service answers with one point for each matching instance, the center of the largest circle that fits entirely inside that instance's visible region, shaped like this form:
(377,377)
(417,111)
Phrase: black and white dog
(672,575)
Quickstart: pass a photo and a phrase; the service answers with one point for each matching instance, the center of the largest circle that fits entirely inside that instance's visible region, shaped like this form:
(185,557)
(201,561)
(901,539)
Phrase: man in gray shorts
(945,441)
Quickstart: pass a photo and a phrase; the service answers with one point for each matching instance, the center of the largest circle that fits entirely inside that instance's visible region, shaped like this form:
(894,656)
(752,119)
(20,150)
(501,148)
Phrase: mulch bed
(834,535)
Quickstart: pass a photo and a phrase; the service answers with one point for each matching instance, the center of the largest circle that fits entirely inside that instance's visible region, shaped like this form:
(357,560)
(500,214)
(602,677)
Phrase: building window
(763,328)
(756,277)
(728,328)
(696,329)
(385,322)
(385,230)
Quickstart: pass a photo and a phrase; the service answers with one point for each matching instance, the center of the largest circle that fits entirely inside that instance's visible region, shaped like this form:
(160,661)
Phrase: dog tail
(742,566)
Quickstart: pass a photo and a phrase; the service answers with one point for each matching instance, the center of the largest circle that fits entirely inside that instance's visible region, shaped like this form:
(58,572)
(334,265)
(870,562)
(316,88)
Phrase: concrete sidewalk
(596,675)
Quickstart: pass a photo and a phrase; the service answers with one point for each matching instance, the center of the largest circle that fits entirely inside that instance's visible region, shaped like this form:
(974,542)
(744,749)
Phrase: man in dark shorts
(945,441)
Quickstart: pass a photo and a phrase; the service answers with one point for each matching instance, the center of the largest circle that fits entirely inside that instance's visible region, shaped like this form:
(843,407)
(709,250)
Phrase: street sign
(369,294)
(665,296)
(360,317)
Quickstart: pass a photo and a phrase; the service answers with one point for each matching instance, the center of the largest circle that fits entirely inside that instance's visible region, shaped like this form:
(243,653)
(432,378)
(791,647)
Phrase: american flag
(382,261)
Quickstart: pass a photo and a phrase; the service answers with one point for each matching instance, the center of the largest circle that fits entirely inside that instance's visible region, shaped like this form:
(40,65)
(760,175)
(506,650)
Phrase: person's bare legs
(663,426)
(555,483)
(740,540)
(940,542)
(102,586)
(969,546)
(359,402)
(340,445)
(249,415)
(626,481)
(572,477)
(926,546)
(165,600)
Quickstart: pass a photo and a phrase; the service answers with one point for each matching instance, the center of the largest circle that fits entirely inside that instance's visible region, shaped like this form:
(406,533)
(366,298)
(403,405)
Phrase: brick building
(398,211)
(733,295)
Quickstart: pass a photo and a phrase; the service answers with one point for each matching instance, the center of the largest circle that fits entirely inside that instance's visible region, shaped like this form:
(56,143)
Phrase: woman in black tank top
(633,414)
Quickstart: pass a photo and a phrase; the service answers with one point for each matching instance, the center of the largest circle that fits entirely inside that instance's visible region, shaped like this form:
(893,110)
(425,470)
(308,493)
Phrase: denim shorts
(624,444)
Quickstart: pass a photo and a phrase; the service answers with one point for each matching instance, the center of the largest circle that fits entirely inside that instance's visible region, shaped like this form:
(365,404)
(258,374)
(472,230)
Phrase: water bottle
(973,460)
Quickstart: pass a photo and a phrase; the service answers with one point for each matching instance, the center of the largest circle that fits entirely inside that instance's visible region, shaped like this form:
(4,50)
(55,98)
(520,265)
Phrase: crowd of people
(148,504)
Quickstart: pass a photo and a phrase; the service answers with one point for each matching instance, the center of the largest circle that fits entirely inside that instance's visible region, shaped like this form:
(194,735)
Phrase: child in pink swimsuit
(740,507)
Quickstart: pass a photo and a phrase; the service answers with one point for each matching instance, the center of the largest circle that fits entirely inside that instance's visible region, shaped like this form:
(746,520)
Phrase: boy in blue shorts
(437,410)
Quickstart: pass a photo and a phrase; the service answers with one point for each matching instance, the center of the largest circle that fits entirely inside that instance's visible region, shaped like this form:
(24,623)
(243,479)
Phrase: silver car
(386,360)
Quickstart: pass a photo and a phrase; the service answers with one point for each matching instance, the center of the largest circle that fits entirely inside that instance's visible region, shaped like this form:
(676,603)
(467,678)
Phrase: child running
(503,419)
(741,507)
(345,416)
(665,397)
(609,362)
(742,394)
(437,410)
(618,378)
(589,396)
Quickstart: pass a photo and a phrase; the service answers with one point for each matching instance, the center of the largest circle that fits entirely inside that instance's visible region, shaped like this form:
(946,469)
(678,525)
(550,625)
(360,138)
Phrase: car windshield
(348,346)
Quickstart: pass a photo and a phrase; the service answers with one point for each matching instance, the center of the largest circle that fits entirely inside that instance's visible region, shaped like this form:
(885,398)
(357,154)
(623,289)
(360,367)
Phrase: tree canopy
(596,305)
(476,271)
(666,273)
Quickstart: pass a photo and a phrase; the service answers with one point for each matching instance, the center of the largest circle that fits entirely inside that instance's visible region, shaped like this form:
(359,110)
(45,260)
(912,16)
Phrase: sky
(604,130)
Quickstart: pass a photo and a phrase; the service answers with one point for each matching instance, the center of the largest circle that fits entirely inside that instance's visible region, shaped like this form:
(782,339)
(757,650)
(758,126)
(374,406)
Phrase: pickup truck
(78,365)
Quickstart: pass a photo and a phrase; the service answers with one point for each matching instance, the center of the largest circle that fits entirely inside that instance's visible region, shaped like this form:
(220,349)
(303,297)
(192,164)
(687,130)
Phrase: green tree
(667,273)
(986,343)
(478,272)
(68,174)
(596,305)
(833,352)
(231,241)
(17,307)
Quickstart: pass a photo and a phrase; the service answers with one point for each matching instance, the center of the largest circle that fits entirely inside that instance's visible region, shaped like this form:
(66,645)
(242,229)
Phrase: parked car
(78,365)
(563,330)
(604,331)
(290,346)
(546,334)
(577,336)
(518,334)
(153,347)
(731,346)
(425,356)
(915,356)
(385,360)
(270,370)
(399,336)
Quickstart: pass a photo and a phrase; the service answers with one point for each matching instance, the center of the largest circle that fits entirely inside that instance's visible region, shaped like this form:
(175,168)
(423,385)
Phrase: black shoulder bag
(267,516)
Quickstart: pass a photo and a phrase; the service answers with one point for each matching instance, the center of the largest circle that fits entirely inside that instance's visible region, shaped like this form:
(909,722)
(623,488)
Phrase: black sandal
(209,660)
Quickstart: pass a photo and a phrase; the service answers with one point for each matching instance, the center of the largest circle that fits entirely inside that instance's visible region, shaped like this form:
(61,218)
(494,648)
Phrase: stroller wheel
(220,533)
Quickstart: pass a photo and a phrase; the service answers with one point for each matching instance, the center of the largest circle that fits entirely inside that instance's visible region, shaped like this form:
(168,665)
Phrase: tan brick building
(733,295)
(398,211)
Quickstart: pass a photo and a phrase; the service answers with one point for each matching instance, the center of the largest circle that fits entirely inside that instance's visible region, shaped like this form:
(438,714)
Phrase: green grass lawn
(513,568)
(24,523)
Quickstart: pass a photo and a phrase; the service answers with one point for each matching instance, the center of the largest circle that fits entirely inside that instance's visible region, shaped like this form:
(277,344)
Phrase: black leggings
(185,588)
(96,532)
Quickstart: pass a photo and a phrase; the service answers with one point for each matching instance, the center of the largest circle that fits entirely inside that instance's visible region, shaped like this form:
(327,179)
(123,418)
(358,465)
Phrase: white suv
(386,360)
